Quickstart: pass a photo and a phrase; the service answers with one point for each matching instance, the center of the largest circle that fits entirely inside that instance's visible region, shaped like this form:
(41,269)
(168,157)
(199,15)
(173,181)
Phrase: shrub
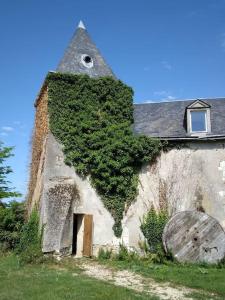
(143,245)
(221,263)
(152,227)
(126,255)
(104,254)
(29,248)
(11,223)
(123,253)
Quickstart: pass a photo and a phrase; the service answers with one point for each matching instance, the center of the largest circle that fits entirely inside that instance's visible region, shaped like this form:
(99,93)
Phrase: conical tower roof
(83,57)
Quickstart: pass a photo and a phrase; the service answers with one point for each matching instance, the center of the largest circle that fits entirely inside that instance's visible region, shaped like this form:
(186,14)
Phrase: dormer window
(198,121)
(198,118)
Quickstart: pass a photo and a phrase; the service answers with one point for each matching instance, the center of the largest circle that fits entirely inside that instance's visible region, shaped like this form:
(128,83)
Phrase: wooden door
(88,229)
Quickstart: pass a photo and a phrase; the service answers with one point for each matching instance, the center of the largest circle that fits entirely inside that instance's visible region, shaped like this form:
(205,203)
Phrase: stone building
(190,176)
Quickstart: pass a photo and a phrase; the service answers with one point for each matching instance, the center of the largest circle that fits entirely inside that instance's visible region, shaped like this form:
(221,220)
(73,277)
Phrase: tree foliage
(5,190)
(11,223)
(93,120)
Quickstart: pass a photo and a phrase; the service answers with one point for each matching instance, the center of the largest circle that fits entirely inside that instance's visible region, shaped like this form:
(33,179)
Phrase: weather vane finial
(81,25)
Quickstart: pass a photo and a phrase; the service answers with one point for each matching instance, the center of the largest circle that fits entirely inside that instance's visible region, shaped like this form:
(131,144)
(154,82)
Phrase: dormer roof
(198,104)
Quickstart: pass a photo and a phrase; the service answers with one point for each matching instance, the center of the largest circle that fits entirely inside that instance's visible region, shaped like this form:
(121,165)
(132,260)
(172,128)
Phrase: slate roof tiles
(168,119)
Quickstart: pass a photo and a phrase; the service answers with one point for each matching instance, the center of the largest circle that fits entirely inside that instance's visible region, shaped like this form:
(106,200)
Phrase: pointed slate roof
(83,57)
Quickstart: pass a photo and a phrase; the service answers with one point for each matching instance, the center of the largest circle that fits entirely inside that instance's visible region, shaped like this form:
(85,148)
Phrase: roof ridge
(181,100)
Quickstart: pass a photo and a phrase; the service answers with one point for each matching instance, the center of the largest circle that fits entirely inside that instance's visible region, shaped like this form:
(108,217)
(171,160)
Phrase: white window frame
(207,121)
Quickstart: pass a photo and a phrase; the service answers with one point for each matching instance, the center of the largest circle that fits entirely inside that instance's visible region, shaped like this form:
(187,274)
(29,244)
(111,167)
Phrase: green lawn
(206,278)
(54,282)
(65,281)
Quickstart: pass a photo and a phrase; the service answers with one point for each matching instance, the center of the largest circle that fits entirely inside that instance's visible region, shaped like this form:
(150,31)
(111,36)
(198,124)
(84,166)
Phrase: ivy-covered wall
(92,119)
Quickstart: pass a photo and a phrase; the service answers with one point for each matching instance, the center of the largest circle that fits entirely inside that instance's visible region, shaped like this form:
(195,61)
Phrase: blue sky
(165,50)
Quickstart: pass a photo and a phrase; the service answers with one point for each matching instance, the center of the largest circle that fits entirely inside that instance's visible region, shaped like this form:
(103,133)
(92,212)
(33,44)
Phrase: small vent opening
(87,61)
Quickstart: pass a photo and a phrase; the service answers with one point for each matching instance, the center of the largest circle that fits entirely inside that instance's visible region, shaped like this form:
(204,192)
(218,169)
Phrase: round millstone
(193,236)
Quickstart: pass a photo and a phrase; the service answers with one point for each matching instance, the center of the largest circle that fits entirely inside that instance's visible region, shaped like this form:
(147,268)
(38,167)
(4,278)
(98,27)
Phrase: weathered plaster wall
(187,179)
(192,178)
(38,148)
(65,193)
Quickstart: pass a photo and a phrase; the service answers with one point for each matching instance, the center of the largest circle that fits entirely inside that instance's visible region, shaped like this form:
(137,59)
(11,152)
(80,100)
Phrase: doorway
(82,235)
(77,224)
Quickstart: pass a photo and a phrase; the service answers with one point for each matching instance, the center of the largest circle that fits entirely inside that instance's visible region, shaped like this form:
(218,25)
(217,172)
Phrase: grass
(52,281)
(65,280)
(205,278)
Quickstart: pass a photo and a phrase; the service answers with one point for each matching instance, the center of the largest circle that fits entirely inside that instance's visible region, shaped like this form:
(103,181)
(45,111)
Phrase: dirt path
(137,283)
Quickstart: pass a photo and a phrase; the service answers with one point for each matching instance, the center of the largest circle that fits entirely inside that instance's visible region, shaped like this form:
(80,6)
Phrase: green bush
(152,227)
(123,253)
(92,118)
(104,254)
(221,263)
(126,255)
(29,248)
(11,223)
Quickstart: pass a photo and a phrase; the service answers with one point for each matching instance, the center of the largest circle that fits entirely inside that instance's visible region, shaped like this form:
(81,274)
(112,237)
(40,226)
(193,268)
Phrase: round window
(87,61)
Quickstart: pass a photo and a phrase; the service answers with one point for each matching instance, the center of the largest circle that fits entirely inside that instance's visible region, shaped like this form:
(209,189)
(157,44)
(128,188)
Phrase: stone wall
(192,178)
(38,146)
(63,194)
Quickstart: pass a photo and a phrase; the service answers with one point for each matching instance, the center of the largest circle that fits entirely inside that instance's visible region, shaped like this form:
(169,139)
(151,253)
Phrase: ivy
(152,227)
(93,120)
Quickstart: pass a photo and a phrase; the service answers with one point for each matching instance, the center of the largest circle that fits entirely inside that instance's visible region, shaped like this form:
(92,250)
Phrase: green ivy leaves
(93,120)
(152,227)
